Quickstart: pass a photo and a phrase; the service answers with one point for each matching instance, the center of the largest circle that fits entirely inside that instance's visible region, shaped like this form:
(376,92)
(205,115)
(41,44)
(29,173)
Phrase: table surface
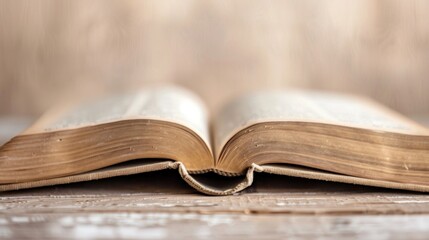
(160,205)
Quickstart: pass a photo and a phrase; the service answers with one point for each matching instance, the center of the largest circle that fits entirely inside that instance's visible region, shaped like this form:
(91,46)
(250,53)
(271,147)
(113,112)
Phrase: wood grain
(219,49)
(276,207)
(223,226)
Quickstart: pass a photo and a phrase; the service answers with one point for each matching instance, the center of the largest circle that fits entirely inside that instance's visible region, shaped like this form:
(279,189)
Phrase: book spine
(215,191)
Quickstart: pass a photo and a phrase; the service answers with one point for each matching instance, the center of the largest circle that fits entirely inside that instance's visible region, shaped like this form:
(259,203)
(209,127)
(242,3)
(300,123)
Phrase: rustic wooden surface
(161,205)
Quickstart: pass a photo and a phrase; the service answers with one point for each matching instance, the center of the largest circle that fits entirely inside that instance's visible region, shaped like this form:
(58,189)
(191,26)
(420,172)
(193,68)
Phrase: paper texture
(171,104)
(307,106)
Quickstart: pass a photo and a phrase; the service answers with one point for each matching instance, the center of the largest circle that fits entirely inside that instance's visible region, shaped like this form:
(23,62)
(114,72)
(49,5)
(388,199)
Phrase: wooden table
(160,205)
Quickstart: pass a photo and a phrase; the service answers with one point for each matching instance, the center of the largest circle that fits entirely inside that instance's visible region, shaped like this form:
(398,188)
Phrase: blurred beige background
(49,49)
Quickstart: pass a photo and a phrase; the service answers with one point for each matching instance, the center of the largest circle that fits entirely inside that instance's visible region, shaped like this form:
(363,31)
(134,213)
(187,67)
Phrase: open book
(306,134)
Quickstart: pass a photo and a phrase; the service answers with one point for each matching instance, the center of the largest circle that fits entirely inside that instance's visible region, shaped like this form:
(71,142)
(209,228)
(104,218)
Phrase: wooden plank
(277,206)
(219,226)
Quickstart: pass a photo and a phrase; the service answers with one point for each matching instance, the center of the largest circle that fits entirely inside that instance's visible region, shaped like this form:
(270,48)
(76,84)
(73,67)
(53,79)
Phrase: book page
(171,104)
(308,106)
